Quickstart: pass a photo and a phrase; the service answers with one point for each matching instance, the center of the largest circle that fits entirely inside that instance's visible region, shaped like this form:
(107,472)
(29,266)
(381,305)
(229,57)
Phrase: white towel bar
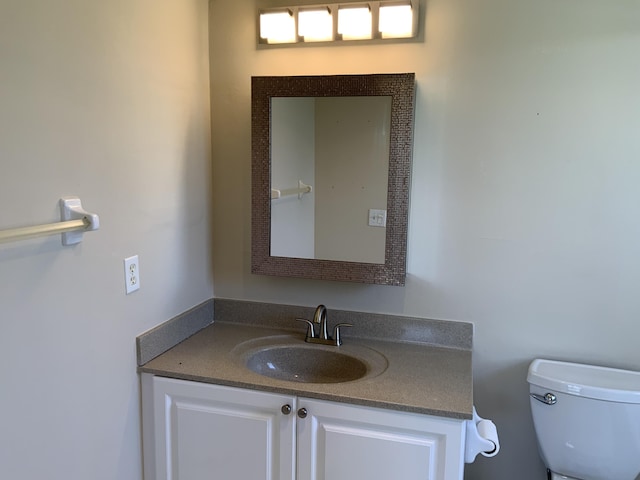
(301,190)
(75,221)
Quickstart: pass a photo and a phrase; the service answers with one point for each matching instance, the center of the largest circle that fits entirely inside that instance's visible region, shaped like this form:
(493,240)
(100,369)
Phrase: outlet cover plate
(131,274)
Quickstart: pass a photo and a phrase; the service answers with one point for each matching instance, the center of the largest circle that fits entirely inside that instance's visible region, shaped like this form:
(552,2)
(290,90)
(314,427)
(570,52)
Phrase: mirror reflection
(329,177)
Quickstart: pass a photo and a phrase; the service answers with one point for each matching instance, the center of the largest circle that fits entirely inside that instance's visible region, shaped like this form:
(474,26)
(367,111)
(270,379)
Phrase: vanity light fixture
(343,23)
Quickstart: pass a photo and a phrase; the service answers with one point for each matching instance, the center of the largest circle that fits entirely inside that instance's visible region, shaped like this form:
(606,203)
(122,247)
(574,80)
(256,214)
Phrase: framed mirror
(331,164)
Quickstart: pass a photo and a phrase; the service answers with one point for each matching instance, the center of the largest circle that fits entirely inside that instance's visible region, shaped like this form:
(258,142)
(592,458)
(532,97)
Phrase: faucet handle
(336,332)
(311,333)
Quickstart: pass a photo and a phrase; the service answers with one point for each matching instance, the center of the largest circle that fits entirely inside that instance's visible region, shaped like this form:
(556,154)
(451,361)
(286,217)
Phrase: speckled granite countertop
(421,378)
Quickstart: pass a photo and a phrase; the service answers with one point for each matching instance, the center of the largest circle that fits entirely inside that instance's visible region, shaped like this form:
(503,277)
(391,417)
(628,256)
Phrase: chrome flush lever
(547,398)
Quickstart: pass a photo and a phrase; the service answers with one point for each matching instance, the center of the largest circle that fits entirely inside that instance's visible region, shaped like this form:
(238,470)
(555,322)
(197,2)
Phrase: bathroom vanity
(212,431)
(208,414)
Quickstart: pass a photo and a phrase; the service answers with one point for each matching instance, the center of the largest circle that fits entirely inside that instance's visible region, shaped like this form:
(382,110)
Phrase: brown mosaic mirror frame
(401,88)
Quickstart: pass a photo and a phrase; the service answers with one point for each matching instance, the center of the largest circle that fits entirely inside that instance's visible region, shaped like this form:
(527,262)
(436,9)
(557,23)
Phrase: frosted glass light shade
(278,27)
(354,23)
(315,25)
(396,21)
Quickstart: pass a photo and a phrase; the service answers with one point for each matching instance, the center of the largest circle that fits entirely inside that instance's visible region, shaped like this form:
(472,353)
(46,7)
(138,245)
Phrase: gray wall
(524,203)
(108,101)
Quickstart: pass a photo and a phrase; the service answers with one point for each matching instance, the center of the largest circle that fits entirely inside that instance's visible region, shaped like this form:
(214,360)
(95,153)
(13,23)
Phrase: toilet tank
(592,431)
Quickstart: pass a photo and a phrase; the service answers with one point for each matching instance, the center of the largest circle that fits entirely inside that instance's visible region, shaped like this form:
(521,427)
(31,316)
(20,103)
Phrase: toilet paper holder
(481,437)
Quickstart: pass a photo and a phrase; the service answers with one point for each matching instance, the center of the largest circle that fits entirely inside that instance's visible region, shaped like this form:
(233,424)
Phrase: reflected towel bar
(301,190)
(74,222)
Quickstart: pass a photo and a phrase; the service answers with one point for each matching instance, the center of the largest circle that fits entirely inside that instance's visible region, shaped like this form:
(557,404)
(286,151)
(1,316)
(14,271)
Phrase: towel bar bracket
(71,209)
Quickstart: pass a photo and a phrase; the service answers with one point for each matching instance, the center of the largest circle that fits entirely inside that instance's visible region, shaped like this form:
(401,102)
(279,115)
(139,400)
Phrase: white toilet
(587,420)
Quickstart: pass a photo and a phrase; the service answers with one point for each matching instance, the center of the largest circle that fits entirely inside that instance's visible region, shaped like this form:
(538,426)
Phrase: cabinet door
(345,442)
(201,431)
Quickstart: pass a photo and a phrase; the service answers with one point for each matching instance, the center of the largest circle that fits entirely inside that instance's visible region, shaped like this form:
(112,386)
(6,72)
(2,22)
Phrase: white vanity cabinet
(197,431)
(338,441)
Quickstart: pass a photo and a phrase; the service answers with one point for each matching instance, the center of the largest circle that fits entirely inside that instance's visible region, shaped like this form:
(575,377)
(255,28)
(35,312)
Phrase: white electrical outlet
(131,274)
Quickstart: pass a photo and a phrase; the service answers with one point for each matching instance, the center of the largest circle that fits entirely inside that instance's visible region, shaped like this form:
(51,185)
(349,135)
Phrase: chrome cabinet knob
(286,409)
(302,413)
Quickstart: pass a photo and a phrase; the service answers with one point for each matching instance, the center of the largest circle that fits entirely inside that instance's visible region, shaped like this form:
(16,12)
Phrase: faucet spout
(320,316)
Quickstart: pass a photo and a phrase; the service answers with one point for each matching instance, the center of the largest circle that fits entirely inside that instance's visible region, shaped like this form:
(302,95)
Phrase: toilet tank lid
(590,381)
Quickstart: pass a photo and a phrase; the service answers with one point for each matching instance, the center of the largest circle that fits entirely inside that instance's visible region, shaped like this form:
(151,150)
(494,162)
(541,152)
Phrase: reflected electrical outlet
(377,218)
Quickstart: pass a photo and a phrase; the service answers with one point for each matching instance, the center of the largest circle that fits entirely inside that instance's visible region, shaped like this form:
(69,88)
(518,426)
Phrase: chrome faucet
(321,317)
(323,337)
